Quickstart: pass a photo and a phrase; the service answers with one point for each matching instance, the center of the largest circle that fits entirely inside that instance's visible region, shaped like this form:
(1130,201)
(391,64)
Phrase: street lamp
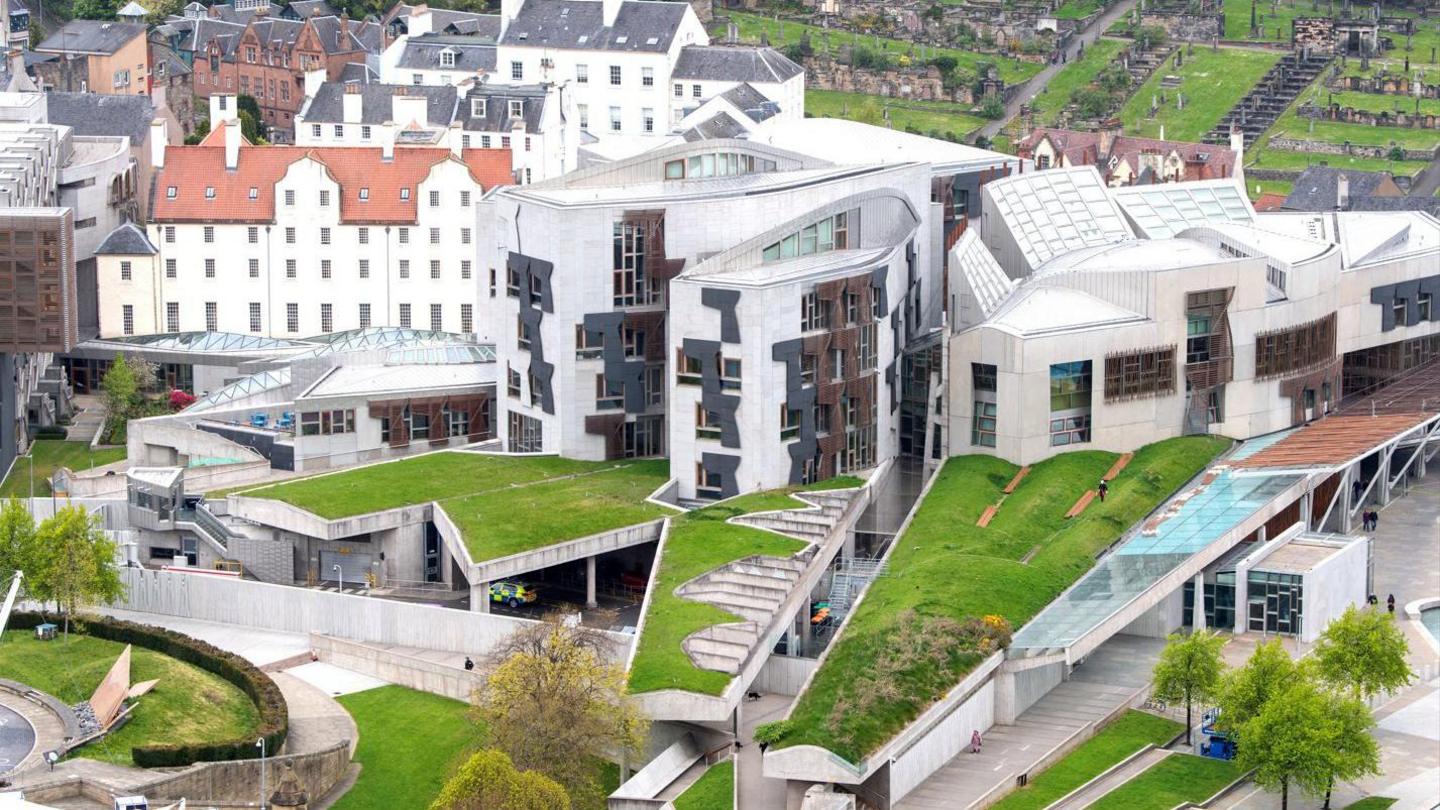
(260,743)
(340,575)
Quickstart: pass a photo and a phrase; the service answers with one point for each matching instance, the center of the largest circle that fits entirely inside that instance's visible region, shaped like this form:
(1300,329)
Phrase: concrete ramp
(645,789)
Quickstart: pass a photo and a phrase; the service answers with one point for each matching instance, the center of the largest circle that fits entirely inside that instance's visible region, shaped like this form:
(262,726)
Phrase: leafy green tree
(1353,752)
(122,390)
(557,707)
(1092,102)
(1245,691)
(1363,653)
(992,107)
(95,9)
(490,781)
(1189,669)
(17,542)
(1286,743)
(75,562)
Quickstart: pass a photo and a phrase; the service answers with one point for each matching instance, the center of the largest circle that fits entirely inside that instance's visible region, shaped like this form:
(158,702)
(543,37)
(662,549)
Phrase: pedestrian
(1374,520)
(469,665)
(1390,604)
(975,741)
(1373,600)
(1355,489)
(1102,489)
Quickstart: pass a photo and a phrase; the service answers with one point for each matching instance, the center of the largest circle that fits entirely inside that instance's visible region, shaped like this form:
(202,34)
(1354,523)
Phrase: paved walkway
(1099,685)
(753,789)
(263,648)
(316,720)
(89,418)
(1089,793)
(27,731)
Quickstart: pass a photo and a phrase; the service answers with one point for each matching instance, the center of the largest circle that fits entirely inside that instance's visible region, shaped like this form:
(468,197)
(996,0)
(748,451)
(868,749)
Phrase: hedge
(49,432)
(274,716)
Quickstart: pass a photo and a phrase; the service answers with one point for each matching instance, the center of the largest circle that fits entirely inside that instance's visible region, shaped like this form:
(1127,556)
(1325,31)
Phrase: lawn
(50,455)
(1128,734)
(1072,77)
(944,569)
(1265,158)
(1212,81)
(187,706)
(1077,9)
(1276,19)
(502,504)
(925,116)
(698,542)
(830,40)
(1256,188)
(1174,780)
(410,742)
(1371,803)
(714,791)
(1290,124)
(1378,102)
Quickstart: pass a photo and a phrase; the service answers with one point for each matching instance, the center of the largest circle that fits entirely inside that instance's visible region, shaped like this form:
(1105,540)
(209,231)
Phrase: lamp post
(339,574)
(260,743)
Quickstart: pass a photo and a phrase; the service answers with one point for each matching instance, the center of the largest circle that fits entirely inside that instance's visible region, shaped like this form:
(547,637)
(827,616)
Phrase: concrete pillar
(590,582)
(1005,713)
(1306,509)
(480,597)
(1198,609)
(1384,482)
(1347,498)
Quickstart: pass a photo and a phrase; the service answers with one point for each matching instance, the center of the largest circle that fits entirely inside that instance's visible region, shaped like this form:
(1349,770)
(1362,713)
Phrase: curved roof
(242,388)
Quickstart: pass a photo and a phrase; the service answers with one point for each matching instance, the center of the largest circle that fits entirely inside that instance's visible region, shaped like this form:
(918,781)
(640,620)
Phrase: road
(1040,80)
(1428,180)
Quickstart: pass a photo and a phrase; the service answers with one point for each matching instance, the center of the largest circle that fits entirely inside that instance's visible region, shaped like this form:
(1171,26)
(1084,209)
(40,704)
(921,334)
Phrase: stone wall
(1386,118)
(448,680)
(923,83)
(1356,150)
(1384,84)
(1184,27)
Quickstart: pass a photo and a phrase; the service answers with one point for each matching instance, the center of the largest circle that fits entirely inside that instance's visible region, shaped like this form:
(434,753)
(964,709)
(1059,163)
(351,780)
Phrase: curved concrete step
(725,585)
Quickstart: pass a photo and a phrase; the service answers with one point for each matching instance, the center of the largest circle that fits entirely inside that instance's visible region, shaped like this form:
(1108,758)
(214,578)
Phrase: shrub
(771,733)
(48,432)
(274,715)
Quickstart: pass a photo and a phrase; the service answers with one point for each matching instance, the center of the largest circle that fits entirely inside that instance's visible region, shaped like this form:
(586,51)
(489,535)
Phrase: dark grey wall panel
(797,398)
(725,467)
(725,301)
(1407,292)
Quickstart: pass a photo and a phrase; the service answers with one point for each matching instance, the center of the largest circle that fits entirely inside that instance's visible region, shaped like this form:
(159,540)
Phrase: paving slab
(259,647)
(333,680)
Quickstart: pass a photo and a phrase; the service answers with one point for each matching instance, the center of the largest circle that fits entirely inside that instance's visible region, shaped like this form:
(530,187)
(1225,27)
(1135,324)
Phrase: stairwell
(755,587)
(1269,98)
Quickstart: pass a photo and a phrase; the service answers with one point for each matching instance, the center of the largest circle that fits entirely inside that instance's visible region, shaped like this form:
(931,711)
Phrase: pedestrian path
(1086,794)
(88,420)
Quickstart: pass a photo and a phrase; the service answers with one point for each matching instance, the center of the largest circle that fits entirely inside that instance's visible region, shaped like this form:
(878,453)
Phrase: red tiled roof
(1083,148)
(193,169)
(1270,202)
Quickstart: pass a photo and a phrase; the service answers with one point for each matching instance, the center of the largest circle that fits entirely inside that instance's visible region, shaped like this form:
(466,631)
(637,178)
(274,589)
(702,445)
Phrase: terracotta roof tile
(206,192)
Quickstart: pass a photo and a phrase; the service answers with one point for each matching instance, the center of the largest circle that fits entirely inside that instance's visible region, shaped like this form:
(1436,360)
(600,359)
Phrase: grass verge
(1371,803)
(410,743)
(1264,158)
(50,455)
(187,706)
(715,790)
(1211,81)
(702,541)
(1128,734)
(945,569)
(1174,780)
(934,118)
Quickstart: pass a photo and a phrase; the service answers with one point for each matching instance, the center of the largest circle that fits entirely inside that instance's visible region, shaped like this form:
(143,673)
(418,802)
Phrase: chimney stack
(610,9)
(159,139)
(1342,193)
(351,104)
(232,144)
(387,140)
(420,21)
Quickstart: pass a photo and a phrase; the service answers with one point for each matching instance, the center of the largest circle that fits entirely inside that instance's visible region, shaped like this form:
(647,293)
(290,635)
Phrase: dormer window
(447,58)
(254,193)
(477,108)
(364,194)
(622,39)
(170,192)
(209,192)
(405,194)
(517,108)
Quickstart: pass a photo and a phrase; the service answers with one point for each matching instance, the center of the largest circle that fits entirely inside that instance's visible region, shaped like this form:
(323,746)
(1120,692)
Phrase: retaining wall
(398,668)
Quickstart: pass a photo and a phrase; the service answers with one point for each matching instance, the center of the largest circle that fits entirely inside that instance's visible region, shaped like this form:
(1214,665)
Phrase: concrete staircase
(1269,97)
(755,587)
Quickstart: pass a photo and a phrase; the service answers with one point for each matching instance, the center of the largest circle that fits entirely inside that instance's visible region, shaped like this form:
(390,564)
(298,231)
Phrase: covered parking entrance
(343,566)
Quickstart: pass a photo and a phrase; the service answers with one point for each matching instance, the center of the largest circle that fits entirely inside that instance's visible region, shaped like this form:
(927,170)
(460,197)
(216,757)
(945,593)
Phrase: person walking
(469,665)
(975,741)
(1390,604)
(1374,520)
(1102,489)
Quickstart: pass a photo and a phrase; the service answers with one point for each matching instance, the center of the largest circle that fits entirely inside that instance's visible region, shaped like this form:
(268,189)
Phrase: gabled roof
(497,116)
(359,35)
(358,73)
(1318,188)
(734,64)
(328,104)
(127,240)
(303,9)
(92,36)
(193,169)
(752,102)
(445,20)
(470,54)
(133,9)
(640,25)
(102,114)
(719,125)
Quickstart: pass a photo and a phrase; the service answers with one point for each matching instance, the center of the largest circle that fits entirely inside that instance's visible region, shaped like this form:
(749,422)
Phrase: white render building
(292,241)
(1087,318)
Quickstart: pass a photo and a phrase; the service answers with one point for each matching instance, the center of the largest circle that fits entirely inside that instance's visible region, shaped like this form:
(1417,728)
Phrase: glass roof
(442,355)
(1161,211)
(242,388)
(208,342)
(1140,561)
(1051,212)
(382,337)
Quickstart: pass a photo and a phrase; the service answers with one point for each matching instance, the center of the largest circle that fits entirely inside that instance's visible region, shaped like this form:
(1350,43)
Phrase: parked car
(513,593)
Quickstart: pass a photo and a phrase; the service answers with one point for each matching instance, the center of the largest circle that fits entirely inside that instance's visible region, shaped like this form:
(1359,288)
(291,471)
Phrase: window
(404,268)
(982,430)
(517,70)
(687,368)
(404,316)
(434,268)
(324,236)
(647,77)
(172,316)
(209,234)
(982,376)
(254,316)
(614,74)
(517,108)
(789,422)
(434,201)
(290,268)
(588,345)
(209,192)
(289,236)
(209,268)
(679,91)
(695,91)
(314,133)
(614,119)
(1070,385)
(1287,351)
(707,423)
(170,268)
(814,313)
(465,269)
(404,236)
(417,78)
(365,132)
(1424,305)
(124,271)
(327,320)
(364,316)
(404,196)
(324,197)
(464,199)
(447,59)
(584,111)
(628,283)
(865,350)
(339,131)
(324,268)
(170,234)
(634,342)
(292,317)
(608,397)
(830,233)
(127,319)
(364,268)
(647,115)
(512,382)
(362,235)
(170,192)
(434,236)
(522,335)
(467,318)
(252,235)
(327,423)
(1143,373)
(525,434)
(1198,332)
(290,192)
(707,483)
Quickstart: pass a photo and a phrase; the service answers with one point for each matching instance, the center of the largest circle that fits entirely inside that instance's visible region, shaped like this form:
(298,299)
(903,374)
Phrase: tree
(75,562)
(95,9)
(1189,669)
(1246,690)
(121,388)
(17,542)
(251,125)
(555,705)
(1286,742)
(201,130)
(147,374)
(1353,752)
(1363,653)
(490,781)
(992,107)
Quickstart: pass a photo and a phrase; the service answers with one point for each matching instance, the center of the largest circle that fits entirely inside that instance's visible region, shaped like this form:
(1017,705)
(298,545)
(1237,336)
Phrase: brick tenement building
(271,56)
